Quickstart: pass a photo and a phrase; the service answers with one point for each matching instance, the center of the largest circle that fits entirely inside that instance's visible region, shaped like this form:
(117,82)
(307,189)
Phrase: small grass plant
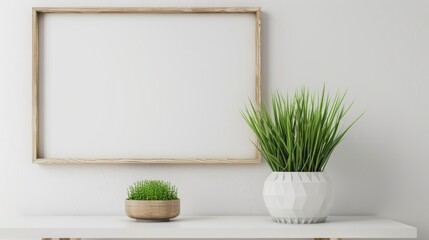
(301,132)
(152,190)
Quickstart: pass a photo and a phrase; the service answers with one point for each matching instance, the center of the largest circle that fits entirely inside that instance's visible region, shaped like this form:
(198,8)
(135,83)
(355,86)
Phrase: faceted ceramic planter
(152,209)
(297,197)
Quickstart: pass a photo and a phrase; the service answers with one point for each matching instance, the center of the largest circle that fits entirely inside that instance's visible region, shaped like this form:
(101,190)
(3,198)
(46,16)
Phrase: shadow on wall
(350,173)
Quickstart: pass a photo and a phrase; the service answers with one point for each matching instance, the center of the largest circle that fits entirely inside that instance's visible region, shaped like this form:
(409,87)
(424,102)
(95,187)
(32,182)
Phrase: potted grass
(152,200)
(296,138)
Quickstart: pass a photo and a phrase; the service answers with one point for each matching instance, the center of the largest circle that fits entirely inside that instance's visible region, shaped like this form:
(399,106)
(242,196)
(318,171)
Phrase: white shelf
(200,227)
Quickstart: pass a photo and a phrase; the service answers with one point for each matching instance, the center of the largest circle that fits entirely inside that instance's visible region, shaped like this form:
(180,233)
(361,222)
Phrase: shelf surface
(200,227)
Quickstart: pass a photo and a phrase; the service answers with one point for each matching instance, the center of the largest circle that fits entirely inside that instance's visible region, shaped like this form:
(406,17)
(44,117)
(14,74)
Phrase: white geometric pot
(297,197)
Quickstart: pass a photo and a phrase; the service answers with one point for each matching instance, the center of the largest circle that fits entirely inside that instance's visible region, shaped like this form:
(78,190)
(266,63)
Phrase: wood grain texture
(258,71)
(148,10)
(35,83)
(145,160)
(152,210)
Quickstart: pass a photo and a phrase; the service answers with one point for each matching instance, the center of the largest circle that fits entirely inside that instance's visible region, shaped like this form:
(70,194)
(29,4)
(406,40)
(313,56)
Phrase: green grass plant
(300,132)
(152,190)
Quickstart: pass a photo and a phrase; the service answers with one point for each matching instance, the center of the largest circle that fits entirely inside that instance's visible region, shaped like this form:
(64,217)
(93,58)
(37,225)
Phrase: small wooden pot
(152,209)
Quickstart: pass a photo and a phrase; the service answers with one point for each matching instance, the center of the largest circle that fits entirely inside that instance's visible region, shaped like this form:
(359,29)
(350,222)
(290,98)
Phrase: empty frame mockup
(144,85)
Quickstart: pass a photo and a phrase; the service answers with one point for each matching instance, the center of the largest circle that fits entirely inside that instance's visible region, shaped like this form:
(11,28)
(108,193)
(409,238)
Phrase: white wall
(378,50)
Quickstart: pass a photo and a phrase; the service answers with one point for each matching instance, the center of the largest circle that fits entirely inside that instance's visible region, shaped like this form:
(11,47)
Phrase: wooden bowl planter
(152,209)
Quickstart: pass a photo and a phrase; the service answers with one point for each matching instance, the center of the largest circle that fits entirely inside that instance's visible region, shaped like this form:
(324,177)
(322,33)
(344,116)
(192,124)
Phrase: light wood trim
(144,160)
(35,81)
(258,71)
(147,10)
(35,85)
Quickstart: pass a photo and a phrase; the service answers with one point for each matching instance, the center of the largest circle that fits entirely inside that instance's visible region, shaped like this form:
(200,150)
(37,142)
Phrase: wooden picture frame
(38,12)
